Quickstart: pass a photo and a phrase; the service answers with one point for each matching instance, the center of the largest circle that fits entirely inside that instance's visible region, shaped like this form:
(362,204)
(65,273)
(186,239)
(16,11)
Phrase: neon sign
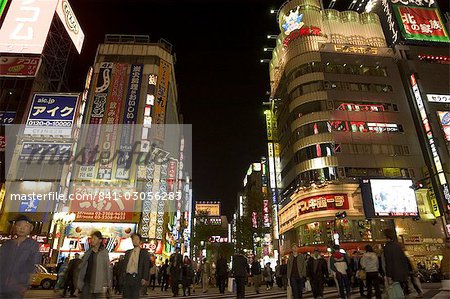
(355,49)
(429,135)
(361,107)
(390,20)
(304,31)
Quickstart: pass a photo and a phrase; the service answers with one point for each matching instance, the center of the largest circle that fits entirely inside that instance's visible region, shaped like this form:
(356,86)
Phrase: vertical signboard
(111,119)
(70,22)
(129,121)
(2,6)
(431,144)
(99,96)
(162,89)
(26,26)
(51,115)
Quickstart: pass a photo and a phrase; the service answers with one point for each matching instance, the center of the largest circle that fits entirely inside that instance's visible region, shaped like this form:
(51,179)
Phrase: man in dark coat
(240,272)
(176,267)
(71,278)
(221,273)
(317,271)
(137,268)
(395,260)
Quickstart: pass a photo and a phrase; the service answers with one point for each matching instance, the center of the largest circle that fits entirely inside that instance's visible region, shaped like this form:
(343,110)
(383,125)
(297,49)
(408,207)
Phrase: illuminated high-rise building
(342,122)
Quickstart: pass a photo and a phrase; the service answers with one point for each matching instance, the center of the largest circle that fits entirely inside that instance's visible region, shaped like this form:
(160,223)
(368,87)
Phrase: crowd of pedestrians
(136,273)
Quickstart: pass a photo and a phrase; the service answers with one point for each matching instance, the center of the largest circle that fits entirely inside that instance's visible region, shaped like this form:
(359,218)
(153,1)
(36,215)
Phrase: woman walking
(369,263)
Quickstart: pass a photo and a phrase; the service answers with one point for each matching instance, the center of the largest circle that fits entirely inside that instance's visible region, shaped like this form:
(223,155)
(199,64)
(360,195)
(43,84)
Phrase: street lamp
(62,219)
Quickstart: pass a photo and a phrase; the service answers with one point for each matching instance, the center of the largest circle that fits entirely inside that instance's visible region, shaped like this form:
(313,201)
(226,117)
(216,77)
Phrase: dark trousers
(297,285)
(372,280)
(174,283)
(240,287)
(221,280)
(164,282)
(152,281)
(86,293)
(68,284)
(360,284)
(344,285)
(131,287)
(317,286)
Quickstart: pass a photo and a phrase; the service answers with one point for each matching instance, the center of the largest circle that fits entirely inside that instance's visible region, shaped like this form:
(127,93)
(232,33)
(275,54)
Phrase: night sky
(221,82)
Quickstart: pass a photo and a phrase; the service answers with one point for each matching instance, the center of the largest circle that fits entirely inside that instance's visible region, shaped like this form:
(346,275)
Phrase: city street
(431,291)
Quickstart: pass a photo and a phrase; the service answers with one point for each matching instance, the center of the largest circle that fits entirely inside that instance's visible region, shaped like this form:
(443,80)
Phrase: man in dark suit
(240,272)
(176,265)
(137,269)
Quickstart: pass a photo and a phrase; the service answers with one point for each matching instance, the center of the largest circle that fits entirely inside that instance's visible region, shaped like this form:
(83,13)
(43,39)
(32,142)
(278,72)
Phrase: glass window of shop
(314,151)
(349,230)
(333,68)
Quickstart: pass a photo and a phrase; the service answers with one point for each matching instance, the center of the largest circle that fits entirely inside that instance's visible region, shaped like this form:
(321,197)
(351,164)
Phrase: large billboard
(70,22)
(210,208)
(26,26)
(389,198)
(421,23)
(15,66)
(51,115)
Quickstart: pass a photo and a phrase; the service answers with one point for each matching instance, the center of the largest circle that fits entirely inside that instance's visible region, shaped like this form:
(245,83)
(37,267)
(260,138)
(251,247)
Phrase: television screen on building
(389,198)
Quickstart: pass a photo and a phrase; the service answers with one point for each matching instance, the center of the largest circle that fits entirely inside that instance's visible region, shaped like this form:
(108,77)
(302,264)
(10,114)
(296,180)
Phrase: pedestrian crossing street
(211,294)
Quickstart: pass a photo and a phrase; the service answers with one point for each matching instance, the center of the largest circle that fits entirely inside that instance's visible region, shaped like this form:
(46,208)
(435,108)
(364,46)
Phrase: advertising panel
(129,119)
(266,213)
(389,198)
(103,203)
(162,89)
(98,111)
(419,23)
(7,117)
(111,119)
(51,115)
(26,26)
(45,151)
(322,203)
(444,119)
(212,209)
(70,22)
(19,66)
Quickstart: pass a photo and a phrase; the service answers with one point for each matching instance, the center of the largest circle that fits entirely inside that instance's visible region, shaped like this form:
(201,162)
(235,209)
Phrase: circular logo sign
(71,20)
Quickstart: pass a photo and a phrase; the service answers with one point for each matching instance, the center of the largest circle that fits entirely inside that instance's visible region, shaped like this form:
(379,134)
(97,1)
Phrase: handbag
(307,286)
(395,291)
(361,274)
(231,284)
(289,291)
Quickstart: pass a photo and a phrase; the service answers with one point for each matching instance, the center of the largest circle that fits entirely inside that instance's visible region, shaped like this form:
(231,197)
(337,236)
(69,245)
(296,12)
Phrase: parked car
(42,278)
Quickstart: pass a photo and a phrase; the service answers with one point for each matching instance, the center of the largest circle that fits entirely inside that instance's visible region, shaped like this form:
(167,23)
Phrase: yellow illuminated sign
(355,49)
(212,209)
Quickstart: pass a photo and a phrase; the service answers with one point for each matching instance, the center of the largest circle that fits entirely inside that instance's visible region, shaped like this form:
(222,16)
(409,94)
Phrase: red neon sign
(304,31)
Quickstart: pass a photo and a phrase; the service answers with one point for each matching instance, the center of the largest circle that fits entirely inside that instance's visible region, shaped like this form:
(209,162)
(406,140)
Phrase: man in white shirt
(137,269)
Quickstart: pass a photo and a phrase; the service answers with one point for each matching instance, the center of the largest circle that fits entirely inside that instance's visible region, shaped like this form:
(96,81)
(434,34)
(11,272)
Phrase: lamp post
(62,219)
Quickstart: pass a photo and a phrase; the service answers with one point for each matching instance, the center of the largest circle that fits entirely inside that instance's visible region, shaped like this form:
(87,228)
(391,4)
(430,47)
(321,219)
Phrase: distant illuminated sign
(266,213)
(70,22)
(418,23)
(26,26)
(361,107)
(444,119)
(218,239)
(438,98)
(212,209)
(355,49)
(429,135)
(429,3)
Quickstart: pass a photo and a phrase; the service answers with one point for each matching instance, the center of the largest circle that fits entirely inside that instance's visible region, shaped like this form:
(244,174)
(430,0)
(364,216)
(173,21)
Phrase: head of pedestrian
(390,234)
(368,248)
(316,252)
(97,239)
(77,255)
(23,226)
(136,239)
(294,248)
(186,260)
(167,261)
(177,250)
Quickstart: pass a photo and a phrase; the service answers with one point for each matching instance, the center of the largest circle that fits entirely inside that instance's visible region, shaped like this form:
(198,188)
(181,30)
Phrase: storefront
(332,214)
